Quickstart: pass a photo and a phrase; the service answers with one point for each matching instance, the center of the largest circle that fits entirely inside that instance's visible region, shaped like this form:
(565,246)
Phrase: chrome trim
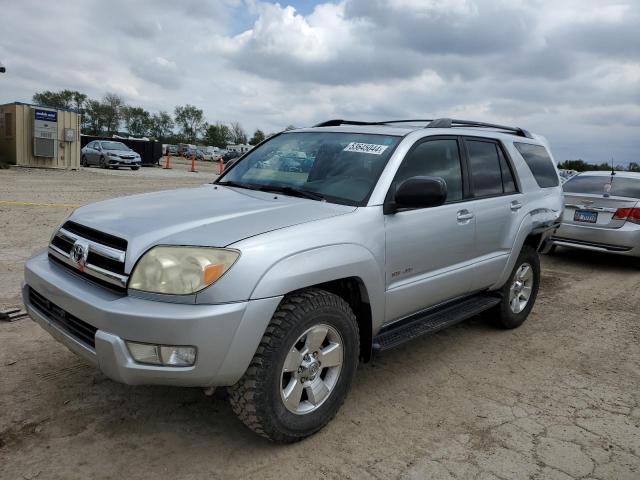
(589,207)
(112,253)
(100,273)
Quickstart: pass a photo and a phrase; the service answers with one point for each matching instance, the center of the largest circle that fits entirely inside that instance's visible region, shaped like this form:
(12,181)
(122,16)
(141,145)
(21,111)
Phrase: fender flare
(325,264)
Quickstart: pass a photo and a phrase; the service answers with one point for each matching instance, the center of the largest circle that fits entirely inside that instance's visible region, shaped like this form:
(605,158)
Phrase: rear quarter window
(539,162)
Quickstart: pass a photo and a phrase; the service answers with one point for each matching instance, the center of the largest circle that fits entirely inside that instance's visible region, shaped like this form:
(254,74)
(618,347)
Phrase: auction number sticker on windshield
(371,148)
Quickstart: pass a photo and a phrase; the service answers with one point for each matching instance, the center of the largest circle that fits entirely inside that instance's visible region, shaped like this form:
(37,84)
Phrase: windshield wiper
(292,191)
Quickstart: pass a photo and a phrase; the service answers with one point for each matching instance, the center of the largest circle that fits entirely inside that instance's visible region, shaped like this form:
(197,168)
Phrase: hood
(210,215)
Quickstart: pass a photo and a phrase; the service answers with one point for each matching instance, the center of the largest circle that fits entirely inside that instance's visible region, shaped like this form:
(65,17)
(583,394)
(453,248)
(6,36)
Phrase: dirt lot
(557,398)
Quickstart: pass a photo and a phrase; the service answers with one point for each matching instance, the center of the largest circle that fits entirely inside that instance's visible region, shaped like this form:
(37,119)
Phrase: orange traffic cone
(193,164)
(167,163)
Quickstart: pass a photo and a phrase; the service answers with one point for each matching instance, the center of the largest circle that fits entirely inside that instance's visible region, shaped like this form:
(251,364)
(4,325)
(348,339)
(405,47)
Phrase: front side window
(540,164)
(337,167)
(486,174)
(435,158)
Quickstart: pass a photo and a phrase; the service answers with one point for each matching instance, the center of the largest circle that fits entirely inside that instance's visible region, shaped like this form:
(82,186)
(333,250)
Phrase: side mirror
(418,192)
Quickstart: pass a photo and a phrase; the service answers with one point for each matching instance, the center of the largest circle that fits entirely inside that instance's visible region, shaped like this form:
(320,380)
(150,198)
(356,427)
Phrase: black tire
(103,164)
(256,398)
(83,161)
(135,168)
(504,315)
(552,250)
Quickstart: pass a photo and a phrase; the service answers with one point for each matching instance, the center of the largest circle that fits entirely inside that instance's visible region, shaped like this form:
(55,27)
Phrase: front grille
(81,331)
(103,256)
(96,235)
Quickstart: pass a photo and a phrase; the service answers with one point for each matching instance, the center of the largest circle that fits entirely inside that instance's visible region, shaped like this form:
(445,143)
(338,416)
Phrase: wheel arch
(347,270)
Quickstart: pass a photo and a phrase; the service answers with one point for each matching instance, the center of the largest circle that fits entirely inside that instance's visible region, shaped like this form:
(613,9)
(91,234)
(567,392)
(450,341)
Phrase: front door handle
(516,205)
(464,216)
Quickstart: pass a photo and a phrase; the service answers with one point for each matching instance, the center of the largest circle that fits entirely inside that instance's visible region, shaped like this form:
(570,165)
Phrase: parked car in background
(601,213)
(230,155)
(277,284)
(109,154)
(171,150)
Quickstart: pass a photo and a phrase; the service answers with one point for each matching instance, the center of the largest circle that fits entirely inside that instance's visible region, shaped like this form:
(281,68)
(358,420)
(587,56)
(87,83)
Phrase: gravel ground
(558,398)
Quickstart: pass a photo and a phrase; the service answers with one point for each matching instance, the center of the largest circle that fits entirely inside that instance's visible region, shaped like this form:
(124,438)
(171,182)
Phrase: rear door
(593,200)
(497,204)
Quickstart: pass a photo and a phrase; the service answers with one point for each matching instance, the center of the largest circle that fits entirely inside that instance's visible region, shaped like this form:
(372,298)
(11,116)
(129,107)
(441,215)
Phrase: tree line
(187,124)
(582,166)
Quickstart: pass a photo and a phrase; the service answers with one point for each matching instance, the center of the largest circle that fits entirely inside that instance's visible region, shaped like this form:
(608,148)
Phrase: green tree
(161,127)
(112,105)
(190,121)
(258,136)
(217,135)
(94,118)
(137,120)
(237,133)
(634,167)
(67,99)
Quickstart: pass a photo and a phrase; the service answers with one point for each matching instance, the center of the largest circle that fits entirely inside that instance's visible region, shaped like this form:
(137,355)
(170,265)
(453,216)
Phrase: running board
(433,320)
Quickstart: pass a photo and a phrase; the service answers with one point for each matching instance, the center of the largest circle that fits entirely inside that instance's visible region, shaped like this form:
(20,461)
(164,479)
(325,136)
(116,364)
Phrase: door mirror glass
(420,192)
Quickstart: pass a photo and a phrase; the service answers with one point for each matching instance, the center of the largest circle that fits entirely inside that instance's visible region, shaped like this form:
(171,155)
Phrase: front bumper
(622,241)
(115,162)
(226,335)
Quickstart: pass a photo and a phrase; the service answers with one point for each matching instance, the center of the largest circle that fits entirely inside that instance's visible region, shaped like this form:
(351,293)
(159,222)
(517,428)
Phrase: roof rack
(449,123)
(431,123)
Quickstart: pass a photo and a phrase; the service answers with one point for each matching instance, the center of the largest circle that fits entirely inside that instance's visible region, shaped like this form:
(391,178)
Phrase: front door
(429,250)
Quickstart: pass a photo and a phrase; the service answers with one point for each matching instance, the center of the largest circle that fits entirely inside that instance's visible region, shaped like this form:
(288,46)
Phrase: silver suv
(314,250)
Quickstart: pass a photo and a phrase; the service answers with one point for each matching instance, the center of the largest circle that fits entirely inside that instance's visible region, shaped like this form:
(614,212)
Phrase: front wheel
(520,292)
(302,369)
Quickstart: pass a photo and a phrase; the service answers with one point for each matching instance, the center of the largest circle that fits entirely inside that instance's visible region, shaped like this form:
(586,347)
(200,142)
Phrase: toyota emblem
(79,254)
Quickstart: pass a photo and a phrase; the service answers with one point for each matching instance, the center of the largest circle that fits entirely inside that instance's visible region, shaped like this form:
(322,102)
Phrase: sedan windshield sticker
(371,148)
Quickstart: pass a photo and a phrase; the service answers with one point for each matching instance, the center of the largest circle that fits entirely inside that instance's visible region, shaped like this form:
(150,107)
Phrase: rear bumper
(226,335)
(622,241)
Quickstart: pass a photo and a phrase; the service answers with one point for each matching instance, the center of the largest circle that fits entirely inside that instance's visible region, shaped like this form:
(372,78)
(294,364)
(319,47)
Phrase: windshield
(339,167)
(114,146)
(600,185)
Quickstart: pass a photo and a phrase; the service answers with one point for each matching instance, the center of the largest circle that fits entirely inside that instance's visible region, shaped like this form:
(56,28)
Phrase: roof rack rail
(449,123)
(337,123)
(433,123)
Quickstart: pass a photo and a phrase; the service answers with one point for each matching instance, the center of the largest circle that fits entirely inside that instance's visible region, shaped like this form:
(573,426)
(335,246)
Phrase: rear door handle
(516,205)
(464,215)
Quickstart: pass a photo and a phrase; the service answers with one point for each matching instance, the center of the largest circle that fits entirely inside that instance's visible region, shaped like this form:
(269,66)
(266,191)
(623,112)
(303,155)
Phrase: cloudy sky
(568,69)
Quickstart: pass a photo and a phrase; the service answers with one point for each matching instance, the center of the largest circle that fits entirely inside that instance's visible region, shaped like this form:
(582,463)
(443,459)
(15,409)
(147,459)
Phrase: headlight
(181,270)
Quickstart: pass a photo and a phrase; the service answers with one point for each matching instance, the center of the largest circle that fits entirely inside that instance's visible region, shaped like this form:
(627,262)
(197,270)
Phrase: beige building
(34,136)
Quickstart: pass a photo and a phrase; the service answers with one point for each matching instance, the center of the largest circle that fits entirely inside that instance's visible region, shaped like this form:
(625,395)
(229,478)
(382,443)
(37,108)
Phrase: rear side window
(540,164)
(436,158)
(486,174)
(601,184)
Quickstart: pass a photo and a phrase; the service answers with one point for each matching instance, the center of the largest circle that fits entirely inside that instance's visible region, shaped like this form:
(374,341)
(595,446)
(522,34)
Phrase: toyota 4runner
(316,249)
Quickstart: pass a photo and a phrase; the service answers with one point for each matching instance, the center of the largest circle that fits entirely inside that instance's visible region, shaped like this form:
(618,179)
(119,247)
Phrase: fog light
(145,353)
(178,356)
(169,355)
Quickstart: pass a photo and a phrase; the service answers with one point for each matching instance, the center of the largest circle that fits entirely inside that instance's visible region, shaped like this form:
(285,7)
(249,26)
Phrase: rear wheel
(520,291)
(302,369)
